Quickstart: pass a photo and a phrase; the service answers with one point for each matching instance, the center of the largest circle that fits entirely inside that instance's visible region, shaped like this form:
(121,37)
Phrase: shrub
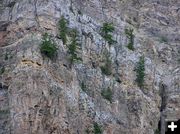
(105,70)
(163,39)
(107,67)
(83,86)
(130,36)
(140,72)
(48,47)
(73,48)
(6,56)
(71,9)
(63,29)
(5,111)
(79,12)
(118,79)
(107,27)
(2,70)
(88,131)
(106,31)
(97,129)
(107,94)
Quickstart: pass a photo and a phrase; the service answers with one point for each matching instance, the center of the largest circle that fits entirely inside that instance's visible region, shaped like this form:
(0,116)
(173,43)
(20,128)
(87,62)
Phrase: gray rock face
(43,96)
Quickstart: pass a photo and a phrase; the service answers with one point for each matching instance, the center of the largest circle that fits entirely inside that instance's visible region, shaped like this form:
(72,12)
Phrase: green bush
(130,36)
(73,48)
(107,94)
(48,47)
(106,31)
(63,29)
(107,27)
(140,72)
(97,129)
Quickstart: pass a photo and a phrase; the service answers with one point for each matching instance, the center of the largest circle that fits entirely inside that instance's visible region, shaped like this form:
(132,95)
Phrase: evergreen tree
(106,32)
(48,47)
(140,72)
(63,29)
(73,47)
(130,36)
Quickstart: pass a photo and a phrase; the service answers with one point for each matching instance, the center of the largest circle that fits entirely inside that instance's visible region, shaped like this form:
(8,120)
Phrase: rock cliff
(43,96)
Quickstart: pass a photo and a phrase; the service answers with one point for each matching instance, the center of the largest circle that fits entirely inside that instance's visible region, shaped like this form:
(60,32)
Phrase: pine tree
(140,72)
(63,29)
(73,48)
(48,47)
(130,36)
(106,31)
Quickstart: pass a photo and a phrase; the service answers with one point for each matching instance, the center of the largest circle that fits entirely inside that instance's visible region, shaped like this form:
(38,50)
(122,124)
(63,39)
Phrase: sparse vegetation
(107,67)
(2,70)
(157,131)
(163,39)
(178,61)
(97,129)
(83,86)
(73,47)
(118,79)
(130,36)
(48,47)
(140,72)
(63,29)
(71,9)
(106,70)
(106,32)
(87,131)
(107,94)
(79,12)
(6,56)
(3,112)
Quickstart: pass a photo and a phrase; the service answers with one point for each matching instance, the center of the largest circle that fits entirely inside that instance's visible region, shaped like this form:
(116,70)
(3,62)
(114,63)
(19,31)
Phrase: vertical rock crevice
(36,13)
(4,110)
(164,97)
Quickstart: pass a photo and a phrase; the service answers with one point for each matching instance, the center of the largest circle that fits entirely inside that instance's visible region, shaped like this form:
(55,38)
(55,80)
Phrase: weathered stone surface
(43,96)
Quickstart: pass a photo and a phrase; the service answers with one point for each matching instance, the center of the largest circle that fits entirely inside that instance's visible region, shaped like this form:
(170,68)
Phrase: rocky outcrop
(43,96)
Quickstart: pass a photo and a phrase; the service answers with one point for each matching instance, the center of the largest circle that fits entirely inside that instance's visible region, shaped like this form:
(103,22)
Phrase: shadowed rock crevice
(163,94)
(4,109)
